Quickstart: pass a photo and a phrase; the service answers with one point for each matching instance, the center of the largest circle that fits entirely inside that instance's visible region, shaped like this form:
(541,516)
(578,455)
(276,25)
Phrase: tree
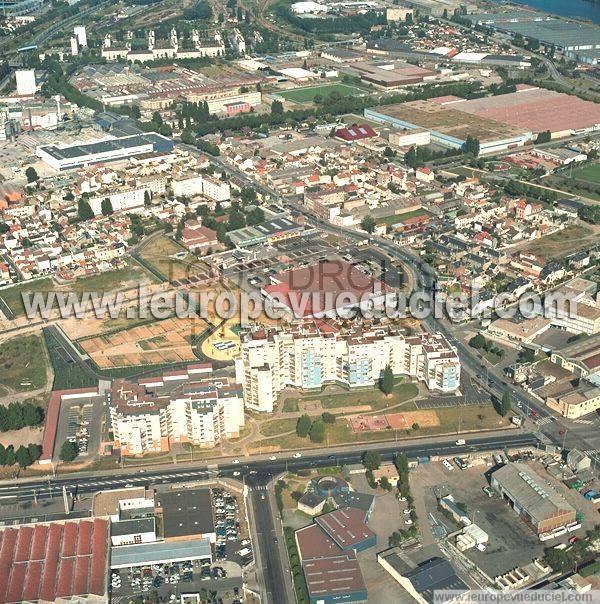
(328,418)
(415,426)
(68,451)
(277,108)
(385,484)
(478,342)
(317,432)
(544,137)
(472,145)
(34,451)
(505,404)
(10,456)
(2,455)
(303,426)
(368,224)
(107,208)
(84,210)
(255,216)
(386,382)
(371,460)
(22,457)
(31,174)
(248,195)
(147,198)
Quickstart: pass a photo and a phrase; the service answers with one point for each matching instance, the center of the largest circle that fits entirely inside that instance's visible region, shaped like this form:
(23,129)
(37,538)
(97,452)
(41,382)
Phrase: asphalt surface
(267,541)
(97,481)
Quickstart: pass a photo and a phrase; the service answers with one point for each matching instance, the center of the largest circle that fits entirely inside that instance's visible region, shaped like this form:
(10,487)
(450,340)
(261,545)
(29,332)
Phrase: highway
(97,481)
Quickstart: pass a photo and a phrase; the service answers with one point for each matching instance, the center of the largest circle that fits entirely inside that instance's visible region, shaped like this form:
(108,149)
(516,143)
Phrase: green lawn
(452,421)
(398,218)
(561,243)
(307,94)
(373,397)
(23,364)
(124,278)
(590,172)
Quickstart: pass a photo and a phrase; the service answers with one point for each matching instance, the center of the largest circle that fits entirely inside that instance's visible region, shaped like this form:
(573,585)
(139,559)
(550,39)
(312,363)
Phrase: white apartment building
(181,406)
(215,189)
(121,199)
(187,185)
(309,354)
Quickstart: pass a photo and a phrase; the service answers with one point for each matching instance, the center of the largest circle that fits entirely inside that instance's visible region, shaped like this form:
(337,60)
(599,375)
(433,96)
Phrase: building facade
(186,406)
(309,354)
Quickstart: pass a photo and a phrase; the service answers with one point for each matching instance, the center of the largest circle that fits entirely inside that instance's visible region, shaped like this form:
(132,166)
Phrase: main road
(90,482)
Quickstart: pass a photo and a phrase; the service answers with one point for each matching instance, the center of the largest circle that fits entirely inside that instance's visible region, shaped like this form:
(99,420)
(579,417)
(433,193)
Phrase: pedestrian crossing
(587,422)
(592,452)
(543,421)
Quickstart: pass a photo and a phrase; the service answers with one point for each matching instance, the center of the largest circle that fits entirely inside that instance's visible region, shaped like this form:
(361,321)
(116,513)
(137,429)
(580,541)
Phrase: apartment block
(309,354)
(189,405)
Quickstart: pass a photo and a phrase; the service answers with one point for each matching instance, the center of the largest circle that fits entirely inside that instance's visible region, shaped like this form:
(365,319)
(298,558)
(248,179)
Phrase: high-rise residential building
(308,354)
(81,35)
(26,85)
(189,405)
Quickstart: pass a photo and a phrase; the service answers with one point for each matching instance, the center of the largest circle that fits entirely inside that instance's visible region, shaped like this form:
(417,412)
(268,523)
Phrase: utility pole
(66,500)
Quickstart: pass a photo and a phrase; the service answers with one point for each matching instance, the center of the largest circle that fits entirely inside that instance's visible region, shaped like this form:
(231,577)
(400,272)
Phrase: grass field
(124,278)
(23,364)
(564,242)
(398,218)
(590,173)
(159,253)
(373,398)
(307,95)
(451,421)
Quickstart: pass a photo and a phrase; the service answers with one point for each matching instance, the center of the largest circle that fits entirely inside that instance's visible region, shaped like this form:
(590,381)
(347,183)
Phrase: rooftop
(124,556)
(534,495)
(54,560)
(433,575)
(186,512)
(346,526)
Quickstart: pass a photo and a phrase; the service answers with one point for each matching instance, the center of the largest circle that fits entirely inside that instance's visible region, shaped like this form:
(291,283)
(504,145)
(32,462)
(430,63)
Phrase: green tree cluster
(18,415)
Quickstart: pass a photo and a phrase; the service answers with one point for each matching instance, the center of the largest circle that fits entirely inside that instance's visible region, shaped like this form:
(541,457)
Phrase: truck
(516,420)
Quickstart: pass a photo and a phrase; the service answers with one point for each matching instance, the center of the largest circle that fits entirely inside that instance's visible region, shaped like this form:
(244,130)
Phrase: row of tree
(24,455)
(315,430)
(20,415)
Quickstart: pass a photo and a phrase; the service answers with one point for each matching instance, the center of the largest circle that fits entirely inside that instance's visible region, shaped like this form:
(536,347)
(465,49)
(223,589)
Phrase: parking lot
(185,514)
(75,422)
(511,542)
(253,272)
(221,583)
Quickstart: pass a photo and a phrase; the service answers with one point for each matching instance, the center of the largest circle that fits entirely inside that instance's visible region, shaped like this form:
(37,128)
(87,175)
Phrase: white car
(401,498)
(407,512)
(297,455)
(408,522)
(272,458)
(236,461)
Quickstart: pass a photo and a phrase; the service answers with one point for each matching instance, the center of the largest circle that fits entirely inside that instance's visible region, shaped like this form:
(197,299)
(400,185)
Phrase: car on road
(237,473)
(236,461)
(297,455)
(272,458)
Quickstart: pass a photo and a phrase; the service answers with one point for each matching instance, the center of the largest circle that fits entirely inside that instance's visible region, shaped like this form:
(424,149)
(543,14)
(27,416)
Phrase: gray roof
(132,527)
(122,143)
(533,494)
(124,556)
(186,512)
(362,501)
(433,575)
(311,499)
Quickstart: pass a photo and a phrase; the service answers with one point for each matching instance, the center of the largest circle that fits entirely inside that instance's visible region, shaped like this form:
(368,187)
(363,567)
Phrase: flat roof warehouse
(563,34)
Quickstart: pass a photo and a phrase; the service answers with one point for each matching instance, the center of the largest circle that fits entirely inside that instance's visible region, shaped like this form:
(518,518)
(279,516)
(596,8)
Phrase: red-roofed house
(355,133)
(197,237)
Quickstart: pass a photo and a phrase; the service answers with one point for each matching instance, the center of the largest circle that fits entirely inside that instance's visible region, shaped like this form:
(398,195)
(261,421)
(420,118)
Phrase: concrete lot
(511,543)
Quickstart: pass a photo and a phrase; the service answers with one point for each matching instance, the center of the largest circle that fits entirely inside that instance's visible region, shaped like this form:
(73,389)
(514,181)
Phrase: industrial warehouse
(498,122)
(535,500)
